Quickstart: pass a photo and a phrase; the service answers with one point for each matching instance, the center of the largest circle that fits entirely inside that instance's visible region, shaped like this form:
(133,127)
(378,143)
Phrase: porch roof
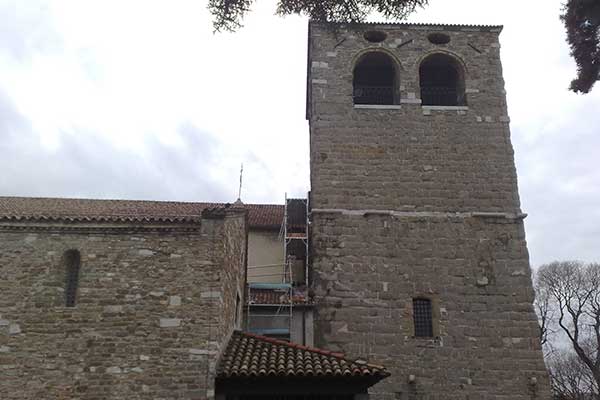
(253,356)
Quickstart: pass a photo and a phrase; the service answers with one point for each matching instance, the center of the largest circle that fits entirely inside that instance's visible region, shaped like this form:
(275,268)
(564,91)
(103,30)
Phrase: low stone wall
(154,307)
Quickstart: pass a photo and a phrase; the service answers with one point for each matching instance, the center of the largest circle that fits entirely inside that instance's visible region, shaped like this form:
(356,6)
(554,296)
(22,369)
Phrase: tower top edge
(407,25)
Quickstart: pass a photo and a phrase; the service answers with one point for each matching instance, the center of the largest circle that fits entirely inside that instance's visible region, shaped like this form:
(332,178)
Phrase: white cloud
(140,99)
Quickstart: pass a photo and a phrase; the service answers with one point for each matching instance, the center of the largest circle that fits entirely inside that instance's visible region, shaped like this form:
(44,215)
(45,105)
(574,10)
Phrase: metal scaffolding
(270,306)
(296,235)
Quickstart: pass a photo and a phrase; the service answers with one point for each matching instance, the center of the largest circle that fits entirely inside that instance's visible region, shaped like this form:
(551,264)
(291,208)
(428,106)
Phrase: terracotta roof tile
(408,25)
(262,216)
(248,355)
(275,297)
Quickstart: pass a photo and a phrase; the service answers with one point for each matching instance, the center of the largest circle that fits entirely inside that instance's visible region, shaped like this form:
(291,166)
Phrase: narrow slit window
(423,318)
(238,311)
(72,260)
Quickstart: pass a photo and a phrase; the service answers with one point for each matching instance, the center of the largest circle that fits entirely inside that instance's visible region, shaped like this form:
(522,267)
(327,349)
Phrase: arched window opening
(375,79)
(442,81)
(72,262)
(423,317)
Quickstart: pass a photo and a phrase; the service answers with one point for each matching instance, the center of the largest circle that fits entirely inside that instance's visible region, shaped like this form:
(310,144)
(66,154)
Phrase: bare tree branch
(571,289)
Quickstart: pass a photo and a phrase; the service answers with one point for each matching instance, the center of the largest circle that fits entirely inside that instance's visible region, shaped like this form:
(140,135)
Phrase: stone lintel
(410,101)
(445,108)
(379,106)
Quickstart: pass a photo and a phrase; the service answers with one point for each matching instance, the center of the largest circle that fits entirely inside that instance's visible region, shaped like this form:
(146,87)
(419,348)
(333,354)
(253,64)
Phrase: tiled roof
(262,216)
(417,25)
(248,355)
(275,297)
(265,215)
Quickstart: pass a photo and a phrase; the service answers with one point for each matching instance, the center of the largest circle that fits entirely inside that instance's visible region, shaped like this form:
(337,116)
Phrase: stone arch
(375,77)
(442,78)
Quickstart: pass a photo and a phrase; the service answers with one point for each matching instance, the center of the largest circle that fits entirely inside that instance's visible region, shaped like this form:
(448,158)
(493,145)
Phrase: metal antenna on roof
(240,190)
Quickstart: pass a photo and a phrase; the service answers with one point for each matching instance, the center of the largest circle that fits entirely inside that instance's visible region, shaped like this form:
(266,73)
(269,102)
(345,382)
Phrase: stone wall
(154,308)
(409,157)
(410,201)
(233,276)
(476,272)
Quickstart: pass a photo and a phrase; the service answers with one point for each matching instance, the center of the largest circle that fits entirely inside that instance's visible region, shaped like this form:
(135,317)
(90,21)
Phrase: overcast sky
(140,100)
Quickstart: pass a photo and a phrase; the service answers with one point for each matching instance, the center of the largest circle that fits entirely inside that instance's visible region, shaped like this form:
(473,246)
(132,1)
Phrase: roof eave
(417,25)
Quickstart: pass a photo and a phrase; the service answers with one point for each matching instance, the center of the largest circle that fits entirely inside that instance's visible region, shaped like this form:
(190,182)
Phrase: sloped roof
(277,297)
(414,25)
(248,356)
(262,216)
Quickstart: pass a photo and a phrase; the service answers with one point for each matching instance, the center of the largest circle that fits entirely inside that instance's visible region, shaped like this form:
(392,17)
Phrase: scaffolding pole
(291,237)
(295,231)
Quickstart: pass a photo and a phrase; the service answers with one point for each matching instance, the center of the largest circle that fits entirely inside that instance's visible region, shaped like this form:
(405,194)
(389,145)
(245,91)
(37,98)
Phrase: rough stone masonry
(155,304)
(410,202)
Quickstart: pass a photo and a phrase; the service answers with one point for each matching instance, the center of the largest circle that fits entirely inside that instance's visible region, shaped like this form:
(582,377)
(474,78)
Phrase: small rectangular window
(423,319)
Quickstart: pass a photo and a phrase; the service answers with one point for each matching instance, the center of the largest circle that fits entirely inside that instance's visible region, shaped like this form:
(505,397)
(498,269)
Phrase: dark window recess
(237,311)
(374,79)
(375,36)
(438,38)
(292,397)
(72,260)
(442,81)
(422,316)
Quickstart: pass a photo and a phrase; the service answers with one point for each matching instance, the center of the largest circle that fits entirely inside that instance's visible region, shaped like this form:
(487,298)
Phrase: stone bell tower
(418,247)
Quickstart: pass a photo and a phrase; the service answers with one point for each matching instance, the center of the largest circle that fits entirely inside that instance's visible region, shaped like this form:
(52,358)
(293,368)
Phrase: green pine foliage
(582,21)
(228,14)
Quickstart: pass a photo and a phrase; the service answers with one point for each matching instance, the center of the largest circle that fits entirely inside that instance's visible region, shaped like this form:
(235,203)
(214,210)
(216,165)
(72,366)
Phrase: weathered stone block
(14,329)
(170,322)
(174,301)
(113,309)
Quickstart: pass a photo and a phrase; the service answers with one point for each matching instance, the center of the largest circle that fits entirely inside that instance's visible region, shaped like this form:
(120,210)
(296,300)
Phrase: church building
(403,275)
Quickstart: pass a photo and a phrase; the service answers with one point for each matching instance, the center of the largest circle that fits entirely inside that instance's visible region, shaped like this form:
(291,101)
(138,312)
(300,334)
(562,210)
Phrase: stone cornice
(62,227)
(424,214)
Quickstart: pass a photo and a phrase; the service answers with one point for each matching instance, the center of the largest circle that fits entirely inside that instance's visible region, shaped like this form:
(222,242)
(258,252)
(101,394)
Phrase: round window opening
(438,38)
(375,36)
